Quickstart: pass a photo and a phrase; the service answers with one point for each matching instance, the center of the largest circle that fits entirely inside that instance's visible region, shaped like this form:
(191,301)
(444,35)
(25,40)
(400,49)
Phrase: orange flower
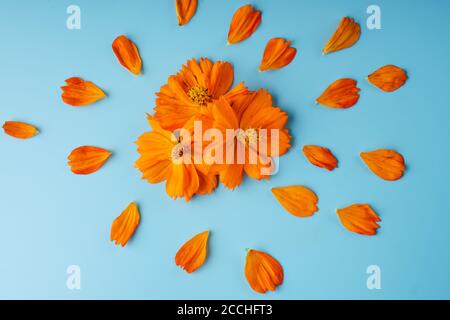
(185,10)
(163,157)
(248,118)
(320,157)
(341,94)
(192,254)
(128,54)
(19,130)
(124,226)
(262,271)
(388,78)
(245,21)
(346,35)
(359,218)
(277,54)
(297,200)
(87,159)
(78,92)
(186,95)
(387,164)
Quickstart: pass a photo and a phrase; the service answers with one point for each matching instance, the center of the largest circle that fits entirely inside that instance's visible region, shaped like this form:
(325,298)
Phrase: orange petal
(320,157)
(262,271)
(78,92)
(192,254)
(345,36)
(277,54)
(87,159)
(387,164)
(19,130)
(123,226)
(245,21)
(185,10)
(341,94)
(359,218)
(388,78)
(127,53)
(297,200)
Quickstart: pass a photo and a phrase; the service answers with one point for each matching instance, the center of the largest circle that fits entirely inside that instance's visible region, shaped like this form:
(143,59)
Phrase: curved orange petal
(192,254)
(262,271)
(221,79)
(277,54)
(341,94)
(297,200)
(185,10)
(78,92)
(20,130)
(182,181)
(386,164)
(231,176)
(128,54)
(345,36)
(245,21)
(124,226)
(87,159)
(359,218)
(207,183)
(388,78)
(320,156)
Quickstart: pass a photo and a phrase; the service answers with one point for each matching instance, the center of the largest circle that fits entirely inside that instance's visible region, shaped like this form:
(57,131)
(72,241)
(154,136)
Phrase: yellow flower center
(199,95)
(177,153)
(249,136)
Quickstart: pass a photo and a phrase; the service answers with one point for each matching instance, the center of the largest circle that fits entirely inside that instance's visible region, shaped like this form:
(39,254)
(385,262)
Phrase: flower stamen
(199,95)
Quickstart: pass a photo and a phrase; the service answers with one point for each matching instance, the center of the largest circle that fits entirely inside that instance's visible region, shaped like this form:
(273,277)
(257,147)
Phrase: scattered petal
(386,164)
(277,54)
(388,78)
(128,54)
(341,94)
(87,159)
(124,226)
(185,10)
(78,92)
(320,156)
(359,218)
(297,200)
(19,130)
(245,21)
(345,36)
(262,271)
(192,254)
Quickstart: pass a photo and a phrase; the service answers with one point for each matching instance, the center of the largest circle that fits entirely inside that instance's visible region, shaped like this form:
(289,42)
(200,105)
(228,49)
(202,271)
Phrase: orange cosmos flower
(19,130)
(259,133)
(262,271)
(192,254)
(320,157)
(185,10)
(297,200)
(386,164)
(87,159)
(388,78)
(245,21)
(79,92)
(346,35)
(124,226)
(341,94)
(278,53)
(128,54)
(359,218)
(164,157)
(186,94)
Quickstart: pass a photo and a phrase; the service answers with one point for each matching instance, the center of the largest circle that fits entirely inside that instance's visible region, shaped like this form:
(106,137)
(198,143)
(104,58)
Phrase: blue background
(51,218)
